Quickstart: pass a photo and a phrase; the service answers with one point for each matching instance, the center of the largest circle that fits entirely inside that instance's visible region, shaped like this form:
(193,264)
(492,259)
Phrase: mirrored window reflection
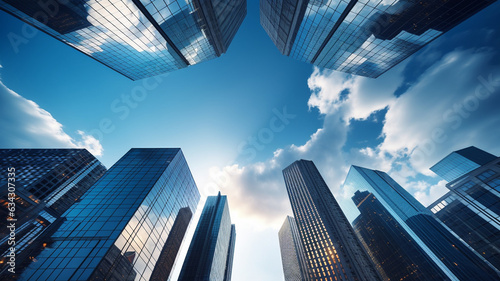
(382,208)
(210,248)
(365,37)
(138,41)
(118,230)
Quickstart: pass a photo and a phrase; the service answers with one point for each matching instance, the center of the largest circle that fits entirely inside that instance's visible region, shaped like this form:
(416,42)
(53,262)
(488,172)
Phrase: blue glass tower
(230,255)
(461,162)
(137,38)
(395,253)
(331,247)
(471,209)
(358,36)
(119,228)
(210,254)
(169,252)
(455,259)
(47,183)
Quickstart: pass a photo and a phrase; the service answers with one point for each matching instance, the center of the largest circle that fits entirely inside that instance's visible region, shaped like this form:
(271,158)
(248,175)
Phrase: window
(486,174)
(466,186)
(495,183)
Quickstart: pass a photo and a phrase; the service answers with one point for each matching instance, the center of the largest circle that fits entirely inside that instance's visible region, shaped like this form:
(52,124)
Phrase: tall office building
(461,162)
(360,37)
(120,227)
(47,182)
(169,252)
(293,256)
(210,254)
(331,247)
(137,38)
(230,255)
(455,259)
(471,209)
(395,253)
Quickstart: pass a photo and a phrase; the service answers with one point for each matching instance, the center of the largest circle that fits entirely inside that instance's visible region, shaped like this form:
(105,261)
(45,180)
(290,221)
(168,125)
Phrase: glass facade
(282,29)
(461,162)
(392,249)
(119,227)
(332,250)
(230,255)
(137,38)
(210,249)
(168,255)
(455,259)
(48,182)
(220,20)
(362,37)
(293,256)
(472,210)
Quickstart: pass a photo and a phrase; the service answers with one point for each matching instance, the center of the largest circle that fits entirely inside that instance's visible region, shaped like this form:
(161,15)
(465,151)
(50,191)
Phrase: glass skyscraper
(210,254)
(137,38)
(120,228)
(333,252)
(228,272)
(454,258)
(47,183)
(395,253)
(362,37)
(169,252)
(461,162)
(471,209)
(293,256)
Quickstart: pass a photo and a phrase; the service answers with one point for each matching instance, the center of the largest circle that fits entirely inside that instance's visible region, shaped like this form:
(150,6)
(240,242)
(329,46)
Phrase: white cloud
(365,95)
(90,143)
(443,112)
(25,124)
(257,191)
(431,193)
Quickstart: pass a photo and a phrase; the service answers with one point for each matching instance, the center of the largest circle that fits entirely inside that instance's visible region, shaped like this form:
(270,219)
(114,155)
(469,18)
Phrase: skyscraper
(455,259)
(293,256)
(119,228)
(230,255)
(332,249)
(137,38)
(210,254)
(169,252)
(360,37)
(395,253)
(461,162)
(47,182)
(471,209)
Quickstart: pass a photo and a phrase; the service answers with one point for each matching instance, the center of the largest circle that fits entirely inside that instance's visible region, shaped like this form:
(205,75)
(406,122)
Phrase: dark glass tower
(293,256)
(120,227)
(472,207)
(137,38)
(210,254)
(455,259)
(360,37)
(230,255)
(47,183)
(167,257)
(331,246)
(395,253)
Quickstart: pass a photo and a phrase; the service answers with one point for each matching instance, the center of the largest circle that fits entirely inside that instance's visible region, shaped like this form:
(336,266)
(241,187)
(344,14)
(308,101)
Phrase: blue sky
(243,117)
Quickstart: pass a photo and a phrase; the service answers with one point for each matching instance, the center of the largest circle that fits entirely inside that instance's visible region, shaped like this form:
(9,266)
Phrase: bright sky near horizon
(240,119)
